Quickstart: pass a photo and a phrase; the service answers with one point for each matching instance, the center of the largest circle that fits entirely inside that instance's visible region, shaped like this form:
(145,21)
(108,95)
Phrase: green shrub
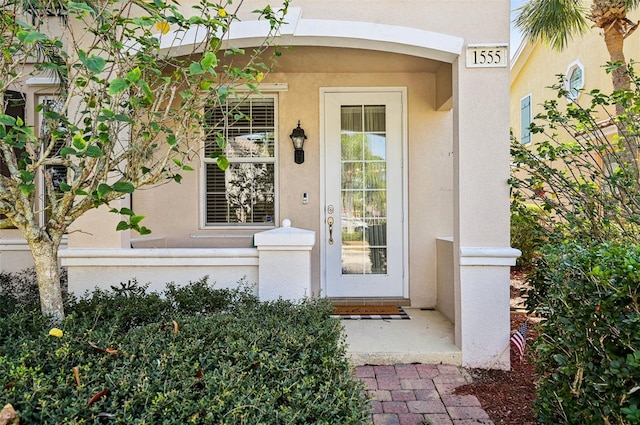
(246,363)
(527,232)
(587,353)
(130,304)
(20,290)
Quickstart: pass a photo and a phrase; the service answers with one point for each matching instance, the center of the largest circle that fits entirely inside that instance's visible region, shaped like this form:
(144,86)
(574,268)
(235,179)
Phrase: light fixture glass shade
(298,141)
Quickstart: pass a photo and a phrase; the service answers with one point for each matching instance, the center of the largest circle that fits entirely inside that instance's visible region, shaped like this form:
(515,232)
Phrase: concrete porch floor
(427,338)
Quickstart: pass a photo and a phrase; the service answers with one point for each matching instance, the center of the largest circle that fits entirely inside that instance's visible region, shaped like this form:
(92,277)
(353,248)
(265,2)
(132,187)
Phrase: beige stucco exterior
(455,165)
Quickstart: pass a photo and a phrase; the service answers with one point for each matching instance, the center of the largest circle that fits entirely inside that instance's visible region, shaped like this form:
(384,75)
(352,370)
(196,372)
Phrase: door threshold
(356,301)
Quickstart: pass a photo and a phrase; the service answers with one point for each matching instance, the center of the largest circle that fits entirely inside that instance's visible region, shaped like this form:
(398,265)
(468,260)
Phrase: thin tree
(128,112)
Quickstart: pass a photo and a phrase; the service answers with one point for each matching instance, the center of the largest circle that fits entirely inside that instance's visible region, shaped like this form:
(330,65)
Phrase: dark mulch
(507,396)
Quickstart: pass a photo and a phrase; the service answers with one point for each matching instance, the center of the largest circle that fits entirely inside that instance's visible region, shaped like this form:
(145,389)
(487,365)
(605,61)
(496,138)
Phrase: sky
(515,36)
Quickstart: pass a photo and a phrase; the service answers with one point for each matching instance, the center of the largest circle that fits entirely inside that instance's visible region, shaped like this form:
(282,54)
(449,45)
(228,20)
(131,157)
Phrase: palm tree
(556,22)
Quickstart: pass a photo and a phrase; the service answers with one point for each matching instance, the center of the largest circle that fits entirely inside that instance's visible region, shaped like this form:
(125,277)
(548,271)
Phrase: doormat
(370,312)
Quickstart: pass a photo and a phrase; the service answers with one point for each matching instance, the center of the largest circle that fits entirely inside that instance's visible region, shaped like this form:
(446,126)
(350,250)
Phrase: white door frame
(404,172)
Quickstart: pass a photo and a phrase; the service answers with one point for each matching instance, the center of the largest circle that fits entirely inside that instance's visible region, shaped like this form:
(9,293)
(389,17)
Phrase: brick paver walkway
(417,394)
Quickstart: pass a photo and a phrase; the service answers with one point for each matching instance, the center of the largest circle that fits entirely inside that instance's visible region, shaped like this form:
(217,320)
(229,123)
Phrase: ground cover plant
(194,354)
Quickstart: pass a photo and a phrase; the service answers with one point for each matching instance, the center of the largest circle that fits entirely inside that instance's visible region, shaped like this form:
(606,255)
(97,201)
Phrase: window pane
(243,194)
(575,82)
(352,175)
(374,118)
(256,145)
(247,127)
(352,144)
(375,146)
(351,118)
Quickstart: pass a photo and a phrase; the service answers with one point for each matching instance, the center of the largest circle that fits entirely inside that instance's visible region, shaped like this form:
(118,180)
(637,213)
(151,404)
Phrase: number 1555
(486,56)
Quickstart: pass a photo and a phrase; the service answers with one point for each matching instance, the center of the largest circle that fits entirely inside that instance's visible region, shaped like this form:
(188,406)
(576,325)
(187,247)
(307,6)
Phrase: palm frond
(632,4)
(553,22)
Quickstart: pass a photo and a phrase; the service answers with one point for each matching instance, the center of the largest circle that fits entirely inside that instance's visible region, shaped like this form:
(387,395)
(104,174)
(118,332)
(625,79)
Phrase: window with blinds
(243,194)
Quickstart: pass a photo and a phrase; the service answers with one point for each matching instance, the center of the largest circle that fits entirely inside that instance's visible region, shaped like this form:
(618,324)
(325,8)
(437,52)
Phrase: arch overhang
(328,33)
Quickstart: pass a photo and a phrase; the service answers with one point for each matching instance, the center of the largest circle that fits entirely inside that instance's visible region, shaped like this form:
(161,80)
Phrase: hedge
(587,354)
(189,355)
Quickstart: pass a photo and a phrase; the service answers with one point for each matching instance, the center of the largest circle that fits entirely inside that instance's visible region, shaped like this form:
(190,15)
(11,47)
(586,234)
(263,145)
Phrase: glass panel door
(364,233)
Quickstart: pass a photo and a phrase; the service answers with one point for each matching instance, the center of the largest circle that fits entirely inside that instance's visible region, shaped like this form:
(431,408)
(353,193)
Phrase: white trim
(13,245)
(225,235)
(405,189)
(488,256)
(20,244)
(265,88)
(164,257)
(42,81)
(331,33)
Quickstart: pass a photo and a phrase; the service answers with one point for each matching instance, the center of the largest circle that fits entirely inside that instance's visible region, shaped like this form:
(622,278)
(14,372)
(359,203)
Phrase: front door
(363,237)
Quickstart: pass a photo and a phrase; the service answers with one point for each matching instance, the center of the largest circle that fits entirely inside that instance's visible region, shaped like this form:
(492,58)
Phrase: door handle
(330,223)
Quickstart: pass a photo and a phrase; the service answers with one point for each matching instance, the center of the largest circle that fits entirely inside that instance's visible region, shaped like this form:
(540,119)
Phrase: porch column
(284,258)
(482,256)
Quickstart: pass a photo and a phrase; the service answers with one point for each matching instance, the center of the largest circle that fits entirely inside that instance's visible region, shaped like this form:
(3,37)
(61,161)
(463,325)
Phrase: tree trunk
(45,257)
(614,40)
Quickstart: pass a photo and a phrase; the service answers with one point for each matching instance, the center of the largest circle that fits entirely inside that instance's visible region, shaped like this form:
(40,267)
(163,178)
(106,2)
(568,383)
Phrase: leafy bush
(224,358)
(130,304)
(526,233)
(587,354)
(20,290)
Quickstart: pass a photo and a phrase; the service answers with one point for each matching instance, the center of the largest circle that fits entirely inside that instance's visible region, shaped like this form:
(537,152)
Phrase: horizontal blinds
(244,193)
(248,128)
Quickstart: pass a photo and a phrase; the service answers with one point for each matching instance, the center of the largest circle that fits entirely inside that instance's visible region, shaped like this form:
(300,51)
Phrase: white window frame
(573,66)
(274,160)
(523,127)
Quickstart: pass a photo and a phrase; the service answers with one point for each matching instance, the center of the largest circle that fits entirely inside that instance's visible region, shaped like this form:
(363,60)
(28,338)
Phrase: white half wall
(90,268)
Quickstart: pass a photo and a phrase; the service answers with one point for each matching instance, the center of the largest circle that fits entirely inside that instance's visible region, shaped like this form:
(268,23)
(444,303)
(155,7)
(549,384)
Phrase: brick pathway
(420,394)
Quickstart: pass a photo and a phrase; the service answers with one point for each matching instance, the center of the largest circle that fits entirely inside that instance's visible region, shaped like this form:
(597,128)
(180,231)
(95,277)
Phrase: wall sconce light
(298,137)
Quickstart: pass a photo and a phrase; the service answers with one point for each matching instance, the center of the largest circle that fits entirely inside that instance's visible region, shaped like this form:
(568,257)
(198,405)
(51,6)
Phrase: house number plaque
(487,55)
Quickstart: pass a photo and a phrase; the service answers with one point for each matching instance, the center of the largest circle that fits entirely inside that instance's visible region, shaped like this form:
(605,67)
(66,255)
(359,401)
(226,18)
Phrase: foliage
(245,363)
(587,353)
(130,305)
(526,232)
(584,177)
(20,290)
(128,111)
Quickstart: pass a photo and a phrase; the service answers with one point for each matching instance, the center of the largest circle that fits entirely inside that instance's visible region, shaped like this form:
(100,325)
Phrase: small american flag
(519,339)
